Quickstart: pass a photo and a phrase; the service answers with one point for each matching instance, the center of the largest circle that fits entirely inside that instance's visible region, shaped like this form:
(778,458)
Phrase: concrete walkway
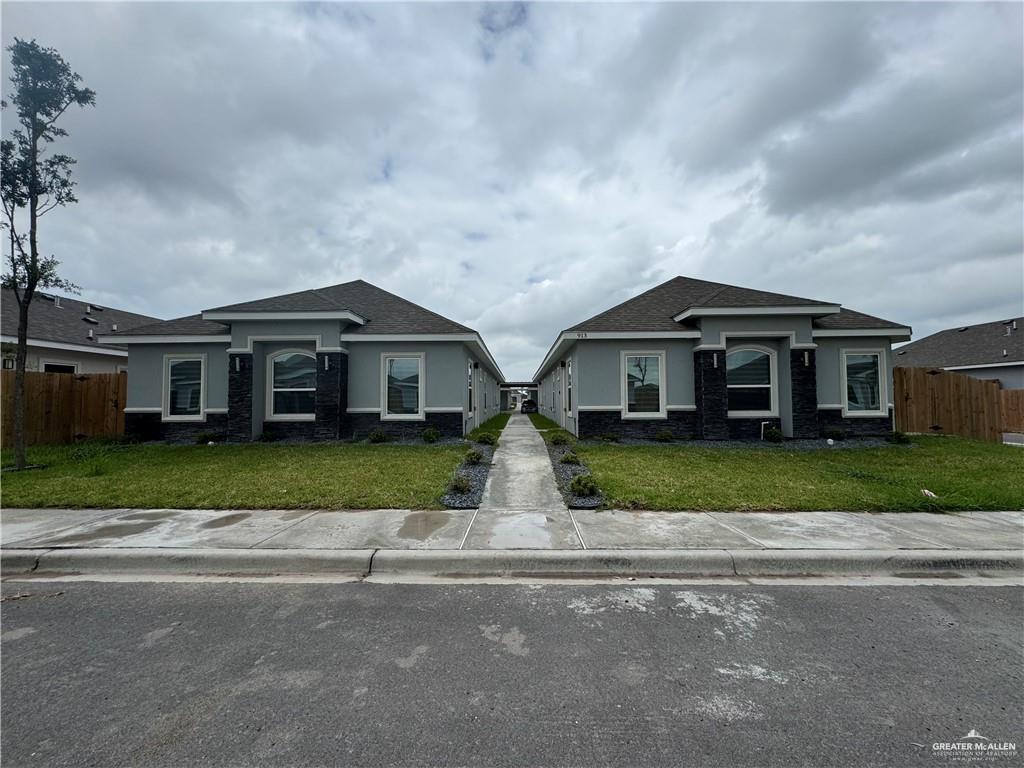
(522,507)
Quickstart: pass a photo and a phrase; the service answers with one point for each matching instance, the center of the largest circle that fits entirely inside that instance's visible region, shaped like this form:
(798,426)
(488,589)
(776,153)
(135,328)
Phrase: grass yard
(493,426)
(540,421)
(253,476)
(964,474)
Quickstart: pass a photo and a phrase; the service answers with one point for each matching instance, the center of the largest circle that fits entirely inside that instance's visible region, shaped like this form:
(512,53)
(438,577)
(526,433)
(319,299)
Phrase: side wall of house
(84,361)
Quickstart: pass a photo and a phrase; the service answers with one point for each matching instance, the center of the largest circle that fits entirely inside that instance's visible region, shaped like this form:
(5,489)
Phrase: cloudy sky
(521,167)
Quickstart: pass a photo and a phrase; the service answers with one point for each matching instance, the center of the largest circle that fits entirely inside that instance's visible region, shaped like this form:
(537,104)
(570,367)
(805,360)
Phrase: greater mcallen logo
(975,746)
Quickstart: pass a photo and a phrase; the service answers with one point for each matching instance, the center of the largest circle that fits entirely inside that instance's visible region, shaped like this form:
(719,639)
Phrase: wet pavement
(522,507)
(540,529)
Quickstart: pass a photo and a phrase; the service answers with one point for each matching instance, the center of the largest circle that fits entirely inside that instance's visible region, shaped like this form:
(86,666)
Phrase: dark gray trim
(803,380)
(832,418)
(711,394)
(149,426)
(448,424)
(598,424)
(240,396)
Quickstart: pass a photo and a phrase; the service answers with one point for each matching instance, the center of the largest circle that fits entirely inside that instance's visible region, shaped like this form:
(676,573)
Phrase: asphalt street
(270,674)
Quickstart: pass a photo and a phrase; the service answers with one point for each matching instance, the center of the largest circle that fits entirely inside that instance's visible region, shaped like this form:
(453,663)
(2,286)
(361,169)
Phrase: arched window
(291,385)
(750,381)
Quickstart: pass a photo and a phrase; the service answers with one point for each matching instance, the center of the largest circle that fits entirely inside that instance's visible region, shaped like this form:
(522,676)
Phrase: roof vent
(92,320)
(56,302)
(90,333)
(961,330)
(902,352)
(1004,353)
(113,327)
(88,309)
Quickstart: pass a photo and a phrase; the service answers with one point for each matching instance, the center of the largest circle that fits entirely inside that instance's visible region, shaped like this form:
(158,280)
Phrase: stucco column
(710,394)
(240,397)
(803,376)
(331,403)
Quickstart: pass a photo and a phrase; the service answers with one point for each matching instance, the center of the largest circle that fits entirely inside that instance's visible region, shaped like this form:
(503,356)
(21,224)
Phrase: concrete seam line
(472,520)
(735,530)
(286,528)
(578,534)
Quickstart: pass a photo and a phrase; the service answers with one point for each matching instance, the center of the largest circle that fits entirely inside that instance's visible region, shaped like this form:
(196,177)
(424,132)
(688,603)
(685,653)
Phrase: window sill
(752,415)
(643,416)
(403,417)
(292,417)
(201,417)
(865,414)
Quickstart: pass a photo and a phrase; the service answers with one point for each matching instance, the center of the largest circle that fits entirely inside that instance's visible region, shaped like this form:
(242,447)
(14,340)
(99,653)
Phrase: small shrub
(560,438)
(833,433)
(487,439)
(773,435)
(431,435)
(377,436)
(209,437)
(474,457)
(900,438)
(570,458)
(583,485)
(460,484)
(664,436)
(610,437)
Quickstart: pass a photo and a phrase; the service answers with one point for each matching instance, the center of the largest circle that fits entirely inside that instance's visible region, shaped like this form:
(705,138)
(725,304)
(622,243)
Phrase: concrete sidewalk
(443,543)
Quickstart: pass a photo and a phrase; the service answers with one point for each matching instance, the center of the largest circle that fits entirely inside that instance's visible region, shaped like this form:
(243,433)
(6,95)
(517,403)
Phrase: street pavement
(276,674)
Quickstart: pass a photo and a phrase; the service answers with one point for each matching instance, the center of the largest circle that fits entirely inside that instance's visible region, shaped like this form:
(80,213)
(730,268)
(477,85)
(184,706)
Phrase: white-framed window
(403,383)
(643,385)
(469,378)
(864,382)
(184,395)
(59,366)
(751,378)
(291,385)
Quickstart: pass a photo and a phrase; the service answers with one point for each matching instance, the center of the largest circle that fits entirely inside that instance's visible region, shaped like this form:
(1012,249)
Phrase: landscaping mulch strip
(564,473)
(477,476)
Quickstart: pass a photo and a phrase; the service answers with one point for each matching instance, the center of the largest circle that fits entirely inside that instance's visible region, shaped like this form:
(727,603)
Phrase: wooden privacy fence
(64,407)
(931,401)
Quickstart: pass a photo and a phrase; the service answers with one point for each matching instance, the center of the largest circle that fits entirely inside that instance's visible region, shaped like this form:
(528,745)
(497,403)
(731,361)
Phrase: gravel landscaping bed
(564,473)
(818,444)
(477,476)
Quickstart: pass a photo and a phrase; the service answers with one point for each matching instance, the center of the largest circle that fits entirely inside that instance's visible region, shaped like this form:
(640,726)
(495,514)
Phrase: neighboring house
(514,392)
(984,351)
(63,334)
(714,361)
(331,363)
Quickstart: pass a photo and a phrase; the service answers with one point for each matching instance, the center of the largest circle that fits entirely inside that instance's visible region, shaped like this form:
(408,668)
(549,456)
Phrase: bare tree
(33,183)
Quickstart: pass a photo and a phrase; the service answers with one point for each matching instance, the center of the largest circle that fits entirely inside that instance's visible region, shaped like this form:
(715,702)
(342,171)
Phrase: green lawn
(963,473)
(493,426)
(253,476)
(542,422)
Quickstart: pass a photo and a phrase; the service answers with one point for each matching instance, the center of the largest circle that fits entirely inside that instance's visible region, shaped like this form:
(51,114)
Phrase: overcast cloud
(521,167)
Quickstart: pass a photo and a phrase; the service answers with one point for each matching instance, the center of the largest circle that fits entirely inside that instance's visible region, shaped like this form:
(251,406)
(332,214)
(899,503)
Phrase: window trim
(165,407)
(773,383)
(662,412)
(269,387)
(883,382)
(45,362)
(419,415)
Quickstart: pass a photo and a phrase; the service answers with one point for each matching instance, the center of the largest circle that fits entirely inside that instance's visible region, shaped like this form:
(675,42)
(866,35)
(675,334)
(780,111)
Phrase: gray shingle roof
(191,325)
(654,309)
(385,312)
(981,344)
(69,323)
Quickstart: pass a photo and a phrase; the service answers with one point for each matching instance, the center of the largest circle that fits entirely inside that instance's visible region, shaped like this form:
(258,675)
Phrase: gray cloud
(520,167)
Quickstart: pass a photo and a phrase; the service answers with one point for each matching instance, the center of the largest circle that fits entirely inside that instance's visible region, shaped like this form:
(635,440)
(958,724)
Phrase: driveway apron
(521,507)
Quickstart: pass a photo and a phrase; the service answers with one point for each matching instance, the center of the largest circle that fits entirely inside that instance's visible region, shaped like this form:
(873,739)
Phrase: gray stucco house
(985,351)
(63,334)
(713,361)
(330,363)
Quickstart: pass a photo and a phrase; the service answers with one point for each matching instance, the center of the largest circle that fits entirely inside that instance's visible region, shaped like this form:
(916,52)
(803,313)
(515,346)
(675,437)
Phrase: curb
(189,562)
(590,563)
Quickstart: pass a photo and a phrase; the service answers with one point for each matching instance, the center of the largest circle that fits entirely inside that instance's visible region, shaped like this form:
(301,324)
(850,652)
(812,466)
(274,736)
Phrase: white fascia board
(803,309)
(981,365)
(70,347)
(344,314)
(827,332)
(574,336)
(562,343)
(165,340)
(468,338)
